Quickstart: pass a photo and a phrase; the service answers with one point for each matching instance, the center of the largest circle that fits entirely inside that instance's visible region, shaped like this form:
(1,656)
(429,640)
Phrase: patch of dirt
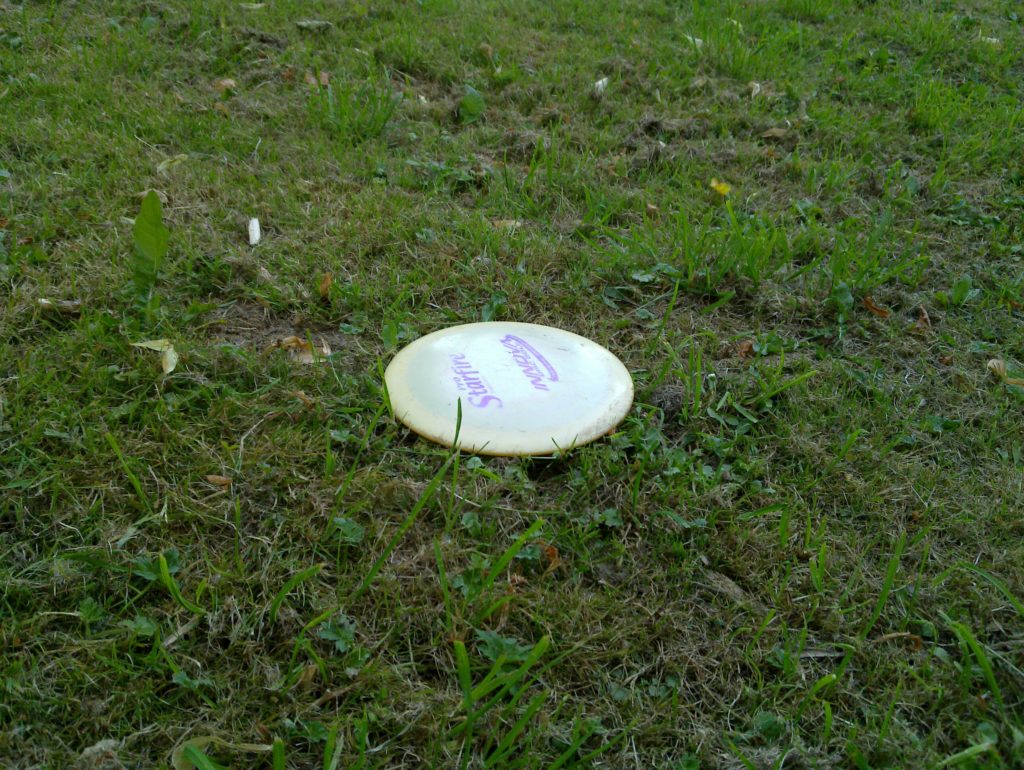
(101,756)
(665,130)
(264,39)
(253,326)
(521,145)
(669,397)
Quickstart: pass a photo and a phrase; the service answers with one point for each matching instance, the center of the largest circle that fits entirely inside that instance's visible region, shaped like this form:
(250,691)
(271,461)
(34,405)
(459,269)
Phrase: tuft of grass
(353,114)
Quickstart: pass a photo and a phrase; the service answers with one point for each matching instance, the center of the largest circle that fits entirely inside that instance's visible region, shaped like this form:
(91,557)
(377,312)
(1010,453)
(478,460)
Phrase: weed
(354,114)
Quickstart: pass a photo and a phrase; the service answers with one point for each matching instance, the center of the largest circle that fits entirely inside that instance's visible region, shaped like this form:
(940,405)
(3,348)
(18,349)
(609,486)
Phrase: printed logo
(470,381)
(538,371)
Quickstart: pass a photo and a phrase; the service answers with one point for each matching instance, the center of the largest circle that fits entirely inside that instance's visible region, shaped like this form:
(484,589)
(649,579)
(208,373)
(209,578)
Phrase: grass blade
(890,579)
(445,593)
(277,755)
(961,756)
(998,584)
(136,484)
(288,587)
(172,588)
(969,640)
(199,759)
(424,498)
(506,746)
(332,749)
(510,553)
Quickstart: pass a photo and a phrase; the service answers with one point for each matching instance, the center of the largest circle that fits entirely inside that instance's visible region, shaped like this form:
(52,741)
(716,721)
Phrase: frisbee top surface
(525,389)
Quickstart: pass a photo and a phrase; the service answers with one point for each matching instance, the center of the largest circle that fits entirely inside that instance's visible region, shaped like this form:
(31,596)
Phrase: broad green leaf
(494,645)
(842,299)
(341,630)
(150,239)
(389,333)
(963,291)
(471,106)
(349,531)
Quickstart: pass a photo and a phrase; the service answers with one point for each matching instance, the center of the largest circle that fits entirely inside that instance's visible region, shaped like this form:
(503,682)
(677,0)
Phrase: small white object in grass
(60,306)
(255,234)
(524,389)
(600,87)
(696,42)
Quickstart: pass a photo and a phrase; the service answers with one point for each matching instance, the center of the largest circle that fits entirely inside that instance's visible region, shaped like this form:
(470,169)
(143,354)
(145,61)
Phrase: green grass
(802,548)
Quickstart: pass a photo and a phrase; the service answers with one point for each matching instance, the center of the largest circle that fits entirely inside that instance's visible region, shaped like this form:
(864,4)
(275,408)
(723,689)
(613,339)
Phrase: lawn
(800,225)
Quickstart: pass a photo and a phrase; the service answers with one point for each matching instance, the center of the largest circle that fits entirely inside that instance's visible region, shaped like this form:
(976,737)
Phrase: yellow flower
(722,188)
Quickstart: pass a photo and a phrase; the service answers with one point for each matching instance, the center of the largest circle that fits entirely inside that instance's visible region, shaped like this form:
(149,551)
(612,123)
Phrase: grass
(802,548)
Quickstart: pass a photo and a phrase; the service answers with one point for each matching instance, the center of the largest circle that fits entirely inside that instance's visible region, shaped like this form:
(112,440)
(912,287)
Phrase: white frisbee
(525,389)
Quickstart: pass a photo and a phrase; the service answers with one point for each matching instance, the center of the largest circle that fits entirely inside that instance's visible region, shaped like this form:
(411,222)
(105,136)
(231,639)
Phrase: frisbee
(524,389)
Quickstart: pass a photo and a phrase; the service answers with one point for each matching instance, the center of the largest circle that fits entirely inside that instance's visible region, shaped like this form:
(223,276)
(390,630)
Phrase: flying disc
(524,389)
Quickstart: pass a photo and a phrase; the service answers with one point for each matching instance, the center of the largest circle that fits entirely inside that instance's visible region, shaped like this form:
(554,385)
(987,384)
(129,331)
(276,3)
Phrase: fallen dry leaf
(292,342)
(923,323)
(916,642)
(510,224)
(325,286)
(171,162)
(745,349)
(219,481)
(875,309)
(304,397)
(221,108)
(699,83)
(324,77)
(220,85)
(309,78)
(550,555)
(754,88)
(997,366)
(723,584)
(314,25)
(307,678)
(301,350)
(168,357)
(776,134)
